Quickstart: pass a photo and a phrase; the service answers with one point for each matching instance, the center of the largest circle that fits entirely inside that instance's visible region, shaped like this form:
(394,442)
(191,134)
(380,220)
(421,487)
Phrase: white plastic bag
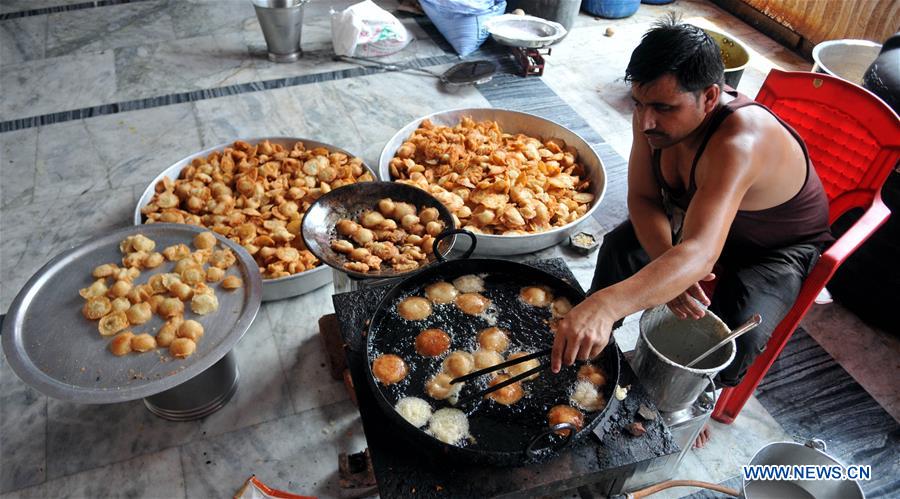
(365,29)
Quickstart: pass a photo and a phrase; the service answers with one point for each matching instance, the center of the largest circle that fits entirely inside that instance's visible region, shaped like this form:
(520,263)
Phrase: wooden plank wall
(820,20)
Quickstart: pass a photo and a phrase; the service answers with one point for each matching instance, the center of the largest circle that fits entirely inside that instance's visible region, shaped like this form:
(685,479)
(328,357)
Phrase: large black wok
(503,435)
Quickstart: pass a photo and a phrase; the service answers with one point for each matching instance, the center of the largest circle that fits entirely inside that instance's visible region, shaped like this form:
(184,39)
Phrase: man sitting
(714,179)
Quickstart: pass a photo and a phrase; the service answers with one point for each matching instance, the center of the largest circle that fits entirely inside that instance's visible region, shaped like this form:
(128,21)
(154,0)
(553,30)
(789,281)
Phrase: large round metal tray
(524,31)
(512,122)
(273,289)
(350,201)
(52,347)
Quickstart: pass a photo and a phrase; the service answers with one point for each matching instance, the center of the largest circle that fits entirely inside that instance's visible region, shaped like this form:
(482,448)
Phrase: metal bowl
(524,31)
(273,289)
(352,200)
(512,122)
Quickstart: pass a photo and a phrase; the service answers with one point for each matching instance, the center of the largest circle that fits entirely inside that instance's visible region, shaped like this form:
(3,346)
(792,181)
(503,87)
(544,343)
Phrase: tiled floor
(82,175)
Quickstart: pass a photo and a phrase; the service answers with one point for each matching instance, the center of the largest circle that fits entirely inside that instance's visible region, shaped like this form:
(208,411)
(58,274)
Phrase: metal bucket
(847,59)
(666,343)
(282,23)
(794,454)
(735,56)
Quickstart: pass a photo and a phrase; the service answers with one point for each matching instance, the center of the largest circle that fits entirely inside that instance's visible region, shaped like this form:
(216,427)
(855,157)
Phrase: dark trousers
(764,282)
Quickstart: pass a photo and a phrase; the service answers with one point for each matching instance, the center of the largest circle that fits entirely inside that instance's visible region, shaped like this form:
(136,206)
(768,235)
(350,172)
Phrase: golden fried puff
(439,387)
(593,374)
(493,338)
(486,358)
(389,369)
(432,343)
(536,296)
(469,284)
(522,367)
(472,303)
(441,292)
(508,395)
(459,363)
(565,414)
(414,308)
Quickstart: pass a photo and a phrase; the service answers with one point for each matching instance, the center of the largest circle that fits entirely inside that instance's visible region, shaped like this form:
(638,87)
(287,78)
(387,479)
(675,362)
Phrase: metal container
(273,289)
(735,56)
(282,24)
(794,454)
(847,59)
(512,122)
(51,346)
(666,343)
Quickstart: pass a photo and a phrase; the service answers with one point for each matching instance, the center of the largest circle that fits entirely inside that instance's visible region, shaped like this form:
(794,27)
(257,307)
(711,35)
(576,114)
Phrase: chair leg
(732,400)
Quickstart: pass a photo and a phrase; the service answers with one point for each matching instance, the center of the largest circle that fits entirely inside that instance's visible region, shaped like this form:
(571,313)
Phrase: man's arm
(585,330)
(645,205)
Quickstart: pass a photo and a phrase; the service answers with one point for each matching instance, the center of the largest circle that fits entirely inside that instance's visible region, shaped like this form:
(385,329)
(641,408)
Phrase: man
(712,179)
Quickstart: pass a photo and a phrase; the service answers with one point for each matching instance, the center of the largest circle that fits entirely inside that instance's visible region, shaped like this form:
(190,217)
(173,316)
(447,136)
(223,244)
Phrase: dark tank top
(801,219)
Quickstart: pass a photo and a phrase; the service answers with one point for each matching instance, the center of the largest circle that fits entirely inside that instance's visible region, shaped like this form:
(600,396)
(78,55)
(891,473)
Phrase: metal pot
(794,454)
(666,343)
(512,122)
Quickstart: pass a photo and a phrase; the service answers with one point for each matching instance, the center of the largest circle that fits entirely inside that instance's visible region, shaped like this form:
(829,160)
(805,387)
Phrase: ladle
(745,327)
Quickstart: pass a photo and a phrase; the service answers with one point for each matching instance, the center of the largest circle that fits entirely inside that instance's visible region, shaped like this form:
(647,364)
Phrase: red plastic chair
(853,140)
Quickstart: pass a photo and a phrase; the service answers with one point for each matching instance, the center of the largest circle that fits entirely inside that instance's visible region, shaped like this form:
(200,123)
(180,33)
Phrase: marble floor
(97,97)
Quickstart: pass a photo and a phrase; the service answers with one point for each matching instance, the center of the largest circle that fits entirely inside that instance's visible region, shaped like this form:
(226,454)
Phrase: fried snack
(432,343)
(389,369)
(121,344)
(153,260)
(112,323)
(143,343)
(96,307)
(522,367)
(459,363)
(204,303)
(190,329)
(536,296)
(494,182)
(170,307)
(439,387)
(168,332)
(493,338)
(508,395)
(214,274)
(414,308)
(565,414)
(256,195)
(204,240)
(139,313)
(441,292)
(119,289)
(121,304)
(104,270)
(472,303)
(595,375)
(232,282)
(182,347)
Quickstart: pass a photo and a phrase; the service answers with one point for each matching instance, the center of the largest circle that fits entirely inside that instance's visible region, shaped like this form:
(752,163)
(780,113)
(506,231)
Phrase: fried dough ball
(402,209)
(459,363)
(415,410)
(121,344)
(170,307)
(214,274)
(565,414)
(204,303)
(593,374)
(232,282)
(98,288)
(135,259)
(181,290)
(119,289)
(560,307)
(190,329)
(342,246)
(169,331)
(154,260)
(386,207)
(432,343)
(469,284)
(493,338)
(486,358)
(536,296)
(193,275)
(112,323)
(371,219)
(522,367)
(414,308)
(508,395)
(472,303)
(121,304)
(346,227)
(96,307)
(429,215)
(140,293)
(389,369)
(222,258)
(448,425)
(204,240)
(141,243)
(176,252)
(143,343)
(441,292)
(105,270)
(586,396)
(139,313)
(439,387)
(182,347)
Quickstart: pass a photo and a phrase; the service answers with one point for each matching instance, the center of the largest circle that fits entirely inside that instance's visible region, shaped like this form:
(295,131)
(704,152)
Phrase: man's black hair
(683,50)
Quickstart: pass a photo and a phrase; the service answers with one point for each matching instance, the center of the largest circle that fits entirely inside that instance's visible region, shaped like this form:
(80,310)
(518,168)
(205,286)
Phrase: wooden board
(821,20)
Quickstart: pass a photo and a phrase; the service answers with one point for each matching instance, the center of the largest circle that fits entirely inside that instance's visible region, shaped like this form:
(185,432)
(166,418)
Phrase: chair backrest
(853,137)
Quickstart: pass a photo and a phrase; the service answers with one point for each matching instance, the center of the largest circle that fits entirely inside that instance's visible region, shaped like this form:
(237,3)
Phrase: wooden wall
(820,20)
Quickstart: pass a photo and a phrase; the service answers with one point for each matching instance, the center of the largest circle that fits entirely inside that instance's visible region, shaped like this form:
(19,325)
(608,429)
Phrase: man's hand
(683,306)
(582,334)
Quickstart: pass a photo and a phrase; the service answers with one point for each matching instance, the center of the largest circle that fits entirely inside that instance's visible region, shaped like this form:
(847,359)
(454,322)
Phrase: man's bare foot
(702,438)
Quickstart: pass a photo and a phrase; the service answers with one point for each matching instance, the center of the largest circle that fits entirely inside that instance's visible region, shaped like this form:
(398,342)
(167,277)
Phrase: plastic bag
(462,21)
(365,29)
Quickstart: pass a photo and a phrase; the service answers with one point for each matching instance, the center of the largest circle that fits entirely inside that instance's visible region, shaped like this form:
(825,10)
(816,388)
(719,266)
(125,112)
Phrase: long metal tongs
(503,365)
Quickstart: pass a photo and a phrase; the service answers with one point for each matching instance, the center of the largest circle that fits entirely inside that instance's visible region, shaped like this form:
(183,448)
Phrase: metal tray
(52,347)
(512,122)
(272,289)
(524,31)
